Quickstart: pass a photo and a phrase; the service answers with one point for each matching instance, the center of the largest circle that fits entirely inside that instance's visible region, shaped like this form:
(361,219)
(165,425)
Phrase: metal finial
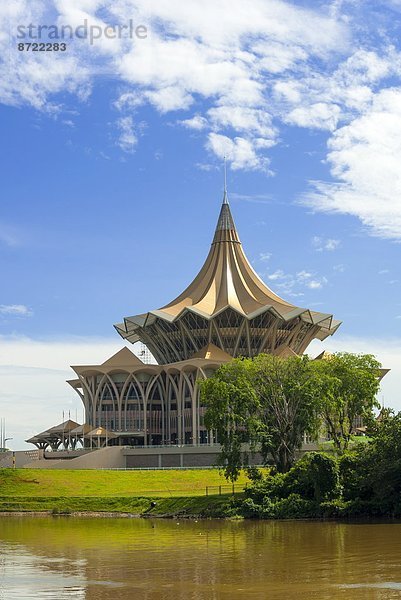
(225,199)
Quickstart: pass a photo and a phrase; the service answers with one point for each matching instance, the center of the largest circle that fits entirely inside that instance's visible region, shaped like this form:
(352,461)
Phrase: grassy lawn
(41,483)
(165,493)
(192,506)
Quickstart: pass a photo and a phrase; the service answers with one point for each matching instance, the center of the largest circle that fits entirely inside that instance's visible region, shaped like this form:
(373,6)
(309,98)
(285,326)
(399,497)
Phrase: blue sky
(111,158)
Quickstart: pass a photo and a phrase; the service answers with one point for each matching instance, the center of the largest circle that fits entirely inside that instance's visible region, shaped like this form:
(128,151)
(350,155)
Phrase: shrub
(334,508)
(295,507)
(314,477)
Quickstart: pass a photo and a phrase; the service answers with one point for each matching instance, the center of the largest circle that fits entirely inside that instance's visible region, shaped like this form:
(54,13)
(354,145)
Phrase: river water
(104,558)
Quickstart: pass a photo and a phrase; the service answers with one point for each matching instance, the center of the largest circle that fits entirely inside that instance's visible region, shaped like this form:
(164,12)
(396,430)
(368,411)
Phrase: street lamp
(7,440)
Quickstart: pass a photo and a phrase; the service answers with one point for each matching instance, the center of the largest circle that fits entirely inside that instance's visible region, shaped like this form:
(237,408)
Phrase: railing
(219,490)
(176,468)
(150,446)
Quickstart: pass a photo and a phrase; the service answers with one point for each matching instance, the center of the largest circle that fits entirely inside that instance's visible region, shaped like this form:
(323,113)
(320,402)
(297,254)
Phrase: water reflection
(116,559)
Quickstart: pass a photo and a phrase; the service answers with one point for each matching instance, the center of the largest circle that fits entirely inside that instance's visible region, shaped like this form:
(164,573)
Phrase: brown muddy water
(88,559)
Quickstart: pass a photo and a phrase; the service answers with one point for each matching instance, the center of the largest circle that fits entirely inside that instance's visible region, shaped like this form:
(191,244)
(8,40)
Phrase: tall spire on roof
(225,198)
(225,229)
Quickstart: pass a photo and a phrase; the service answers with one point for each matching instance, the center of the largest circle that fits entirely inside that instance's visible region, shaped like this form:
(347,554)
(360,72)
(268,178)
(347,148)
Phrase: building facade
(146,404)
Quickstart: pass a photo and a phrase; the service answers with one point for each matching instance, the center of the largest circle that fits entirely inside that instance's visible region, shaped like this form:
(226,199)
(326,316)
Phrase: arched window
(132,409)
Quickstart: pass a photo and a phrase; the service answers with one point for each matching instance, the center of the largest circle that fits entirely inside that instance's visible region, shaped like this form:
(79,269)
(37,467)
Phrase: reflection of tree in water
(128,558)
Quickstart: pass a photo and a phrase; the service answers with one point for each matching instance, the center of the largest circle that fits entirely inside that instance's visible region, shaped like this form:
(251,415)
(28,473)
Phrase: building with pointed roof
(228,305)
(225,312)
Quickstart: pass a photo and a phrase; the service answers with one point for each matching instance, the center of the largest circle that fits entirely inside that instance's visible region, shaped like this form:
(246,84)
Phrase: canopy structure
(229,306)
(59,436)
(67,435)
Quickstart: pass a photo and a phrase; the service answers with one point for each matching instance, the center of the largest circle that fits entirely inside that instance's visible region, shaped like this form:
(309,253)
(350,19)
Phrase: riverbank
(199,493)
(184,507)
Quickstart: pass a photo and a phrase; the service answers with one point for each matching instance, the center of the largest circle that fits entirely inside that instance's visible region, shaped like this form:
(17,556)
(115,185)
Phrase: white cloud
(279,274)
(196,122)
(188,55)
(241,152)
(320,243)
(303,275)
(127,138)
(15,310)
(365,157)
(290,285)
(320,115)
(271,63)
(129,100)
(243,119)
(314,285)
(265,256)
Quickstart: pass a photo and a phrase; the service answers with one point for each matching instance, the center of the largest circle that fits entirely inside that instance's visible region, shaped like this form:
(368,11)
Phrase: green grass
(174,491)
(195,506)
(78,504)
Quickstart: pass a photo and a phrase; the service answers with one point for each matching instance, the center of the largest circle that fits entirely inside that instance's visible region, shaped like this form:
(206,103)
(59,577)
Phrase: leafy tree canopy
(348,386)
(269,403)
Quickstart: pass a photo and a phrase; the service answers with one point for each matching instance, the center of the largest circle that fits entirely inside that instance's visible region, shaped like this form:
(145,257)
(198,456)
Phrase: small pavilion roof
(65,427)
(100,432)
(82,429)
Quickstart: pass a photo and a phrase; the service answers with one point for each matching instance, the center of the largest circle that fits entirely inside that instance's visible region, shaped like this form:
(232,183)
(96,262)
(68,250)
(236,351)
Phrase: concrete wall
(104,458)
(185,456)
(22,458)
(116,457)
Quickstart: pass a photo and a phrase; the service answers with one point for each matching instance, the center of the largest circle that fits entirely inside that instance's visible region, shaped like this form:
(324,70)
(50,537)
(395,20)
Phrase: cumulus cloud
(272,63)
(315,116)
(241,152)
(365,157)
(197,122)
(188,55)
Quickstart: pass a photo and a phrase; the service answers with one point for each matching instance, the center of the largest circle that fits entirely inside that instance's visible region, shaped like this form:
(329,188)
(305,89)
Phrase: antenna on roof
(225,199)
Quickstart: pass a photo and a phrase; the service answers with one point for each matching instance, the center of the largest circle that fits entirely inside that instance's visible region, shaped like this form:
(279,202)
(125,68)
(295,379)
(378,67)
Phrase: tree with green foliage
(267,402)
(371,476)
(233,409)
(289,405)
(348,386)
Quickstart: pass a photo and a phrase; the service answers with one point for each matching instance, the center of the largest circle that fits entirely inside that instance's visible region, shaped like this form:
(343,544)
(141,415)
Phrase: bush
(314,477)
(295,507)
(250,509)
(334,509)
